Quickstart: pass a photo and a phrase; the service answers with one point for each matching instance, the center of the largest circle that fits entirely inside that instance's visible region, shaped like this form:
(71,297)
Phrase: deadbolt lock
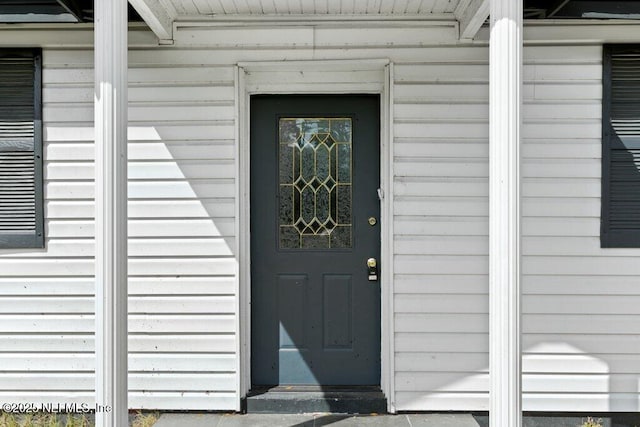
(372,221)
(372,269)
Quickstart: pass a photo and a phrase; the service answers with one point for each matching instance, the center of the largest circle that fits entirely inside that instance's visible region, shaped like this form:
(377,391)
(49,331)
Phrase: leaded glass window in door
(315,170)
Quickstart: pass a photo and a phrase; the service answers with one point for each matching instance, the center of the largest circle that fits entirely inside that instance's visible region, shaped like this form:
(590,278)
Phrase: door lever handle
(372,269)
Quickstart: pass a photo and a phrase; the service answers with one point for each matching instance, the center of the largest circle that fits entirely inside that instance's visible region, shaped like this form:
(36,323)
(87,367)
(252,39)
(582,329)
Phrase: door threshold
(309,399)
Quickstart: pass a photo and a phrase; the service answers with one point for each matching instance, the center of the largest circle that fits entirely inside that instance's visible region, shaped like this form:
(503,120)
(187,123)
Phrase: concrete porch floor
(384,420)
(319,420)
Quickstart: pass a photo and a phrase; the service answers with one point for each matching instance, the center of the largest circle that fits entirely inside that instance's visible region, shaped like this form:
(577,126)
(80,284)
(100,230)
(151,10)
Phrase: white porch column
(505,64)
(111,211)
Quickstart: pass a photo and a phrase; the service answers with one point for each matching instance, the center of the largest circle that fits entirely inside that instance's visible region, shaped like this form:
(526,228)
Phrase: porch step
(303,399)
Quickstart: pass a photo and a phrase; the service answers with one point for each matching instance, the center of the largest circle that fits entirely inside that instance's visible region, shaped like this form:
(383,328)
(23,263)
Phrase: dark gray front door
(315,211)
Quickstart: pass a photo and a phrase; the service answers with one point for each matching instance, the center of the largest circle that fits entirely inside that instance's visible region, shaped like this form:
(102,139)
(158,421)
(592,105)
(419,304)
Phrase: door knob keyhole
(372,269)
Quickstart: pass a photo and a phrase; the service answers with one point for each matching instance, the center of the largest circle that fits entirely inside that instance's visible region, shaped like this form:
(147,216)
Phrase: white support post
(111,212)
(505,63)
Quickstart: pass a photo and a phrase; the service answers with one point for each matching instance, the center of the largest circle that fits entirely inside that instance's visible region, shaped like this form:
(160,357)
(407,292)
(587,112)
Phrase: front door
(315,222)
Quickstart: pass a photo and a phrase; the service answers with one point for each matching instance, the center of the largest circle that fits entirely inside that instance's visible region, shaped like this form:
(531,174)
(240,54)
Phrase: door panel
(314,178)
(337,305)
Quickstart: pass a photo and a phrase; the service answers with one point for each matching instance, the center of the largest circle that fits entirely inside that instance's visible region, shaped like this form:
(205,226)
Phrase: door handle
(372,269)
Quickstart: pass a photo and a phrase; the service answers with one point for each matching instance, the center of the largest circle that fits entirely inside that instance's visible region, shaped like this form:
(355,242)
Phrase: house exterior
(197,193)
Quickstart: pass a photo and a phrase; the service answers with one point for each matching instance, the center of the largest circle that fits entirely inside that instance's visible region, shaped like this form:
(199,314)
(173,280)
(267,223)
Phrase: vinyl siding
(580,303)
(182,242)
(182,191)
(441,230)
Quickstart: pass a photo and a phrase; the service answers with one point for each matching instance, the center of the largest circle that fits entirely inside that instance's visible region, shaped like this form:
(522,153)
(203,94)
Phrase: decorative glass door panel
(315,169)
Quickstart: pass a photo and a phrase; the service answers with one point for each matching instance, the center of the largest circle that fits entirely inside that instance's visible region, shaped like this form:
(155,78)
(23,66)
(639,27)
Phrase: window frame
(35,240)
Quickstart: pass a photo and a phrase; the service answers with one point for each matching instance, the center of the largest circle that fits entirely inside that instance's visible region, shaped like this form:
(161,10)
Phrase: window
(620,220)
(21,199)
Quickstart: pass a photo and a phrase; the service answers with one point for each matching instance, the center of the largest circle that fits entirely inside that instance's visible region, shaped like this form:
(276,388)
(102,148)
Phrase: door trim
(301,77)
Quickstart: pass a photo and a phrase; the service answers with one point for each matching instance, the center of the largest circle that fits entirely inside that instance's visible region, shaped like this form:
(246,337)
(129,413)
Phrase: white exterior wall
(580,303)
(182,243)
(441,229)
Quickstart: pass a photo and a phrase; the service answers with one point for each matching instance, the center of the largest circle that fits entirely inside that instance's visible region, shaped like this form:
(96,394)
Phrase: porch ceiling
(319,7)
(160,15)
(471,14)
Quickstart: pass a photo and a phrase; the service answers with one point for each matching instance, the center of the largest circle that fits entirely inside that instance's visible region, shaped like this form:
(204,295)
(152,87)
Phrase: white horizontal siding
(182,242)
(182,204)
(441,225)
(581,340)
(580,307)
(580,303)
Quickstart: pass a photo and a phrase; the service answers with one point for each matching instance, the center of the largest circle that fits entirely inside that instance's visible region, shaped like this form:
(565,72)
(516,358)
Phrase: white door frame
(299,77)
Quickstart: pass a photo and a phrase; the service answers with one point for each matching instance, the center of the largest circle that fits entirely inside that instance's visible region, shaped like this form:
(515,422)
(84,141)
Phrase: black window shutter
(21,197)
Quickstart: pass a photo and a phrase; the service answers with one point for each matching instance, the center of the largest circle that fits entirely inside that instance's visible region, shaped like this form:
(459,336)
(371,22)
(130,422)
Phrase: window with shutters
(21,199)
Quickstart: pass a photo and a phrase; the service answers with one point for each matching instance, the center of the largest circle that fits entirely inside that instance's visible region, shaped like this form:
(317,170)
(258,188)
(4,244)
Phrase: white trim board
(298,77)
